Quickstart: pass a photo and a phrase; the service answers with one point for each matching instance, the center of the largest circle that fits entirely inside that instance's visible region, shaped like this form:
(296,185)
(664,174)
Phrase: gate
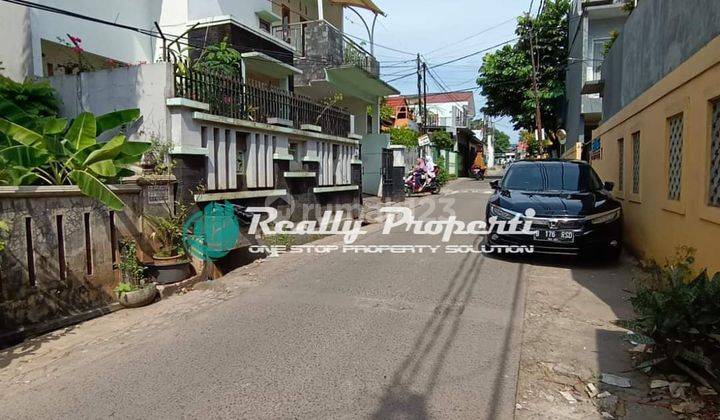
(387,173)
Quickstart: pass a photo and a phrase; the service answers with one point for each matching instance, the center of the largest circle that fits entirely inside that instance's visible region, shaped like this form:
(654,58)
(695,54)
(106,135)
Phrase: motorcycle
(430,185)
(478,173)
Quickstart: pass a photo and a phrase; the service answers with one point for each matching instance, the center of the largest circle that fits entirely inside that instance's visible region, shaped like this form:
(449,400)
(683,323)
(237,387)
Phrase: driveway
(338,335)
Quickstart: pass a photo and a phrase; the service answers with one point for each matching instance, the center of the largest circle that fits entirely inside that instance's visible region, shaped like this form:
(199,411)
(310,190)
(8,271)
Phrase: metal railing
(319,40)
(228,96)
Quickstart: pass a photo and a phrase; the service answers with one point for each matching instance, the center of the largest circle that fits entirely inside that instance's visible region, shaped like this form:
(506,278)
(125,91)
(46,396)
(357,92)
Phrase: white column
(251,160)
(210,172)
(321,12)
(232,159)
(376,116)
(269,167)
(262,141)
(221,158)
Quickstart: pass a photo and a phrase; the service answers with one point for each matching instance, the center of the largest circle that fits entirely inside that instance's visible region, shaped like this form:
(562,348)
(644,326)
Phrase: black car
(574,211)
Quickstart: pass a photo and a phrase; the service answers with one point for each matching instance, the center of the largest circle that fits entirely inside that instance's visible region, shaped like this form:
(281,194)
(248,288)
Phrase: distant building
(592,23)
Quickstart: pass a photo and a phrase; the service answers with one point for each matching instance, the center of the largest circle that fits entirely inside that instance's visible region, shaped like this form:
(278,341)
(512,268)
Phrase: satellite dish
(561,136)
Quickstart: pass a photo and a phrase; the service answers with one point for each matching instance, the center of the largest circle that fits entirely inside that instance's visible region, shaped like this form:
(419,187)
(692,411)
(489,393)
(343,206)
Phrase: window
(621,164)
(636,163)
(714,178)
(552,176)
(675,143)
(598,56)
(265,25)
(294,151)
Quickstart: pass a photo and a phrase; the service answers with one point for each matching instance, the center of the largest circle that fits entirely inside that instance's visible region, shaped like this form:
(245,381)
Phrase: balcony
(320,45)
(256,101)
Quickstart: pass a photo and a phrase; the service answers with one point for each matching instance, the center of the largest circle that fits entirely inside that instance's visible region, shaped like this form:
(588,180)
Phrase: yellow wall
(654,225)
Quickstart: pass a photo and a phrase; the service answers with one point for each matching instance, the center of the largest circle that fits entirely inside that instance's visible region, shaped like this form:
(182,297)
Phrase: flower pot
(139,297)
(168,270)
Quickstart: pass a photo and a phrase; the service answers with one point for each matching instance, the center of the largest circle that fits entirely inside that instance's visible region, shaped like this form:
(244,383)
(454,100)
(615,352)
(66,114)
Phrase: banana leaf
(19,133)
(115,119)
(26,156)
(94,188)
(81,134)
(108,150)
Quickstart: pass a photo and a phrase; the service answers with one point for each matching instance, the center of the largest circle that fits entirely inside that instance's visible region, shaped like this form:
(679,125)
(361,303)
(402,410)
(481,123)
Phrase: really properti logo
(212,232)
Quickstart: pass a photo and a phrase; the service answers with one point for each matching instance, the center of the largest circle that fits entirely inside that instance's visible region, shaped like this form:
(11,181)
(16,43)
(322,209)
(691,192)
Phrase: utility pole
(424,76)
(419,89)
(538,116)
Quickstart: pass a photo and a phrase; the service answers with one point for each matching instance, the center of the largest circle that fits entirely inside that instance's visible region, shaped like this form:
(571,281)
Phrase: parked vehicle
(430,185)
(575,212)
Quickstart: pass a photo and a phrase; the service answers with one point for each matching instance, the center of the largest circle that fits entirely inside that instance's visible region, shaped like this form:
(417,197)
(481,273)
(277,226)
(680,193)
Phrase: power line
(457,59)
(473,35)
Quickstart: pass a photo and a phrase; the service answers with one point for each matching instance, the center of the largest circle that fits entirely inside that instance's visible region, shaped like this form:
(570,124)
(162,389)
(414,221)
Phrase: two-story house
(289,124)
(591,27)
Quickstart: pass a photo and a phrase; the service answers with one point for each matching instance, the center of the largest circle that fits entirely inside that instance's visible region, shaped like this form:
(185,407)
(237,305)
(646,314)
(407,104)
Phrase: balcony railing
(320,42)
(228,96)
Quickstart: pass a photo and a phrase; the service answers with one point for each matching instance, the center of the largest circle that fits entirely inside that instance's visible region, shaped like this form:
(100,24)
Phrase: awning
(258,62)
(365,4)
(358,83)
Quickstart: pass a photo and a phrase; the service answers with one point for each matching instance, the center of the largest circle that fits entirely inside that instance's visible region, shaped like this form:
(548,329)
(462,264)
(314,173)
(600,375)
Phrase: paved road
(302,336)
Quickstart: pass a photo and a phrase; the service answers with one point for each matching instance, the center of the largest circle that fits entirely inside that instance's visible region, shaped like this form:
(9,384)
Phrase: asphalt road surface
(339,335)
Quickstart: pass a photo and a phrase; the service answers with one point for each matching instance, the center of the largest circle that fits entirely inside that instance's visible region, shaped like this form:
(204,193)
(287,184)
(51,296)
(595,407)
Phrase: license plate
(567,236)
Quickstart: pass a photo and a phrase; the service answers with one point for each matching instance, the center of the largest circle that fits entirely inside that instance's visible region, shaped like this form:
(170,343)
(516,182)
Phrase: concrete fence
(62,250)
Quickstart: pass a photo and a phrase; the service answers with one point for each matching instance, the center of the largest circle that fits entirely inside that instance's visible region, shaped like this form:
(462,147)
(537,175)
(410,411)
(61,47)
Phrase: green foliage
(679,311)
(220,58)
(610,42)
(4,230)
(442,175)
(160,155)
(133,272)
(533,145)
(443,140)
(168,230)
(506,75)
(36,99)
(55,154)
(501,141)
(404,136)
(280,239)
(677,303)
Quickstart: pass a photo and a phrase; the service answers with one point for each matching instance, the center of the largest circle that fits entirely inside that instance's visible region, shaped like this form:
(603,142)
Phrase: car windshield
(551,176)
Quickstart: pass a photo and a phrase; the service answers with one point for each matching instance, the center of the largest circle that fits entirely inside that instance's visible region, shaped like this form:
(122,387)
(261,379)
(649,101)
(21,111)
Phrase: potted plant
(170,262)
(134,290)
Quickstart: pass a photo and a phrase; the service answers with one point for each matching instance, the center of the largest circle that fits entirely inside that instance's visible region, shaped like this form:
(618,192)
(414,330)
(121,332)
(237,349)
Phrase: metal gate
(387,173)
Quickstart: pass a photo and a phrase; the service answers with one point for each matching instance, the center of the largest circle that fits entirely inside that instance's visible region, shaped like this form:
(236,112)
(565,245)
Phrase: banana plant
(55,154)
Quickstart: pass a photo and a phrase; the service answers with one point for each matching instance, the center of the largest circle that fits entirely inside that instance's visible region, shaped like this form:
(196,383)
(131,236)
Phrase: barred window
(675,144)
(714,196)
(636,163)
(621,164)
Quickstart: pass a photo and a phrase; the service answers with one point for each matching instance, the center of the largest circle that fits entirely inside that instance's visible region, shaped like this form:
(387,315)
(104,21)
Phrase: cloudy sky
(440,30)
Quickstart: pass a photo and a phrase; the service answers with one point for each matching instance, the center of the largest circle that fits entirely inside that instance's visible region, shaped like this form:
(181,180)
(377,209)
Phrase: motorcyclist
(418,174)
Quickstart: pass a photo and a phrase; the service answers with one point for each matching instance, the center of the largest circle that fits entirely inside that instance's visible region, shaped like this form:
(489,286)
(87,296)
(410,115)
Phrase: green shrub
(36,99)
(678,312)
(443,140)
(404,137)
(133,273)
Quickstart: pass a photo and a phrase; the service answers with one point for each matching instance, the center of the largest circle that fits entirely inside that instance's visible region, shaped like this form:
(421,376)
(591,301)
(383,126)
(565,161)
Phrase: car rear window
(551,176)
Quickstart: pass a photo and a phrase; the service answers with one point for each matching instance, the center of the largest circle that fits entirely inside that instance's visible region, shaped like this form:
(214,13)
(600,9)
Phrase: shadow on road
(406,396)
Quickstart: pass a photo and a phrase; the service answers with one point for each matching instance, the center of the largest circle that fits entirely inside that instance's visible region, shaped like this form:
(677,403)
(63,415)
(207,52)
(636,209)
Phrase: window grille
(621,165)
(675,125)
(714,197)
(636,163)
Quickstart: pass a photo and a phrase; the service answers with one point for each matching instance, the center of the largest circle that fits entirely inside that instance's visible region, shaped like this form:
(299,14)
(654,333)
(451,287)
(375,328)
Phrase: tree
(443,140)
(404,136)
(501,141)
(506,75)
